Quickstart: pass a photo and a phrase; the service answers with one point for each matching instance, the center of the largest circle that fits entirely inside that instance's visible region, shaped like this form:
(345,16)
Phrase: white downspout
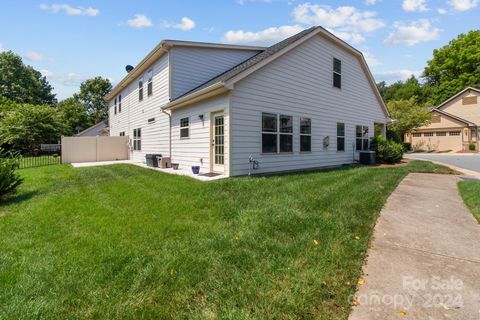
(169,132)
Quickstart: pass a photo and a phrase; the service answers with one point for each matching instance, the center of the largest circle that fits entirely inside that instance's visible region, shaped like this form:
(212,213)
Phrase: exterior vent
(469,100)
(151,120)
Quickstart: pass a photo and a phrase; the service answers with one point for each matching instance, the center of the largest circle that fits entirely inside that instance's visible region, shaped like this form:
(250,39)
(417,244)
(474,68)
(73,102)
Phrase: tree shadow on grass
(19,197)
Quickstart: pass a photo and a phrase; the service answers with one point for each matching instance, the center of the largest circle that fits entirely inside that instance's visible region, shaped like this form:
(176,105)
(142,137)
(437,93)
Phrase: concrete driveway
(425,259)
(465,161)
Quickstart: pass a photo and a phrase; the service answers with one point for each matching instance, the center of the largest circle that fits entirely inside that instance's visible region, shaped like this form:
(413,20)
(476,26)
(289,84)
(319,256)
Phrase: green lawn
(470,191)
(123,242)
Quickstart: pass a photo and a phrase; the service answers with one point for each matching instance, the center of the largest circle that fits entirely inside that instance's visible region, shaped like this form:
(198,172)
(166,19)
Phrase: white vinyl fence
(90,149)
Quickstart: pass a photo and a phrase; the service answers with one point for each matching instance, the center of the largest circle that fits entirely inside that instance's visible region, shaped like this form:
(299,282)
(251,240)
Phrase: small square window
(184,128)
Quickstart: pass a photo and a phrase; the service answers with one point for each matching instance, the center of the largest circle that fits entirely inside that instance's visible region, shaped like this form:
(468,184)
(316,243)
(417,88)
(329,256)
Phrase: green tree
(404,90)
(407,115)
(21,83)
(454,66)
(92,96)
(73,115)
(26,127)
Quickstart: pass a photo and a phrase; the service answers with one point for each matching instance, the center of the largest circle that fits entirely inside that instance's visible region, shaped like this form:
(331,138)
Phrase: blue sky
(70,41)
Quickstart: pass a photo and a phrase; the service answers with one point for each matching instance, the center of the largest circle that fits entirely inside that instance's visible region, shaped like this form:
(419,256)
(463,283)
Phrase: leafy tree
(404,90)
(26,127)
(9,178)
(408,115)
(92,96)
(73,115)
(21,83)
(454,66)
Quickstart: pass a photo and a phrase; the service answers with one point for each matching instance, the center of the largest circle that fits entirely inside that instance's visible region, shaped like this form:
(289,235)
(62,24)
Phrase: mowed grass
(470,191)
(123,242)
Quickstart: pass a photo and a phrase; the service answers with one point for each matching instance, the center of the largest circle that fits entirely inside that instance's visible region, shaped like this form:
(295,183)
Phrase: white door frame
(214,167)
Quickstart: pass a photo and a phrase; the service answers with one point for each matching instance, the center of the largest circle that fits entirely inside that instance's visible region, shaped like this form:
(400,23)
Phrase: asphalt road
(465,161)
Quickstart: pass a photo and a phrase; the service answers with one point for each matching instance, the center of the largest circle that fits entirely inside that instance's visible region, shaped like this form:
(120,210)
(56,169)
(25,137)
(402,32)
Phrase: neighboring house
(453,124)
(308,101)
(100,129)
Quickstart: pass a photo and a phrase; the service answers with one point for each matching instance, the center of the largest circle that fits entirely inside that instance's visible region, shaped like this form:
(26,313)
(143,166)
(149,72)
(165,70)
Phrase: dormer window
(337,73)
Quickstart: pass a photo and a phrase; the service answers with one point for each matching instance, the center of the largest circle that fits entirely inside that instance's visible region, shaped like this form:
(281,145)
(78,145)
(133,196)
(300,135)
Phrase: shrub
(388,151)
(9,178)
(407,146)
(471,147)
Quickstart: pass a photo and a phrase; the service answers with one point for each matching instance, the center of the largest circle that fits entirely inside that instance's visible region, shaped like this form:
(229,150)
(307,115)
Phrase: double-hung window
(361,138)
(286,133)
(305,135)
(337,73)
(119,103)
(340,136)
(184,128)
(137,139)
(115,106)
(149,82)
(122,134)
(269,133)
(140,89)
(277,133)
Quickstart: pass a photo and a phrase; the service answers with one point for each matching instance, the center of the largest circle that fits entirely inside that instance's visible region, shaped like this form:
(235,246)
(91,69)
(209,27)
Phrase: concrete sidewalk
(425,258)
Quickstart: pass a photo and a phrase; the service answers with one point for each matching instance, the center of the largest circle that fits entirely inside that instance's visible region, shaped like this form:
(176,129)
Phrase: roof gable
(467,90)
(228,78)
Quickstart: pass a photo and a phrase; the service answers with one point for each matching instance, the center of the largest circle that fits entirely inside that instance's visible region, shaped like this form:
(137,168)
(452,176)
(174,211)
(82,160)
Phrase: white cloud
(415,5)
(69,10)
(348,23)
(464,5)
(409,35)
(186,24)
(140,21)
(392,76)
(35,57)
(442,11)
(70,79)
(267,36)
(370,2)
(344,19)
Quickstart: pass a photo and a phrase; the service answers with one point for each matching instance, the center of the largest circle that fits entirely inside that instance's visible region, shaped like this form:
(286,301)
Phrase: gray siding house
(308,101)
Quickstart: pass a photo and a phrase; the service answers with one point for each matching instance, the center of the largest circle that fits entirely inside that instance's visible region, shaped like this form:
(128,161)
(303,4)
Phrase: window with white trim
(119,103)
(441,133)
(122,134)
(269,133)
(115,106)
(184,128)
(137,139)
(361,138)
(340,136)
(140,89)
(428,134)
(277,133)
(454,133)
(149,82)
(305,135)
(286,133)
(416,134)
(337,73)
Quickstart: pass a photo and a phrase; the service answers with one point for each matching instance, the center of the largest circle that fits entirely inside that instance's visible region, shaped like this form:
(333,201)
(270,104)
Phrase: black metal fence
(45,156)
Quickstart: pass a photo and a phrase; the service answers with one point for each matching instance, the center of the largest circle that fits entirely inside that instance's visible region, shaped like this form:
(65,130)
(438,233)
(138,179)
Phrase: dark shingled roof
(250,62)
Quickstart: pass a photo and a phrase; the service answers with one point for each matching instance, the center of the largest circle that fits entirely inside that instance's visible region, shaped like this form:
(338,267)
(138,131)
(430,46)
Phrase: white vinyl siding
(136,114)
(195,151)
(194,66)
(300,84)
